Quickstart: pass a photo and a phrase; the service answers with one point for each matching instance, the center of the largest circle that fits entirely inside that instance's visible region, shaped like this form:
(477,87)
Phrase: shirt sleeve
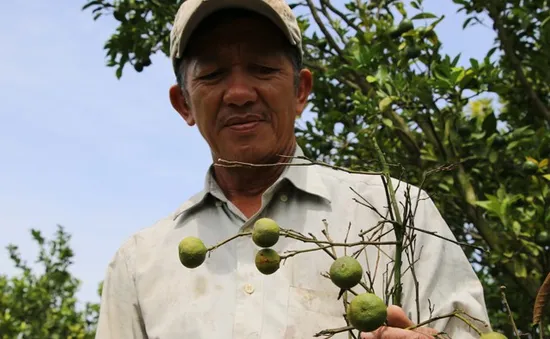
(446,278)
(119,315)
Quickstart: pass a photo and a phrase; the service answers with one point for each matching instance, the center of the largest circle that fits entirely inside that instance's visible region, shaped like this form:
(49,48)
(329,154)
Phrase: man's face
(241,89)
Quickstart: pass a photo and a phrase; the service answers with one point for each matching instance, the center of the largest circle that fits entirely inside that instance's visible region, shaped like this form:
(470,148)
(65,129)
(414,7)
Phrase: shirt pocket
(311,311)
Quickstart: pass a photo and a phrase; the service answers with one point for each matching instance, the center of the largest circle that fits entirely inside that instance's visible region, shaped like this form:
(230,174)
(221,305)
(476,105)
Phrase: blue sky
(100,156)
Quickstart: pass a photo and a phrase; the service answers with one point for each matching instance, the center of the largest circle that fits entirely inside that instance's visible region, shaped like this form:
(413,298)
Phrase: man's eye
(211,76)
(265,69)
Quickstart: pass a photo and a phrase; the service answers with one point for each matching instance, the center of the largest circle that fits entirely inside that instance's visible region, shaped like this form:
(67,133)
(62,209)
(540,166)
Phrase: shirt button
(218,203)
(249,288)
(284,198)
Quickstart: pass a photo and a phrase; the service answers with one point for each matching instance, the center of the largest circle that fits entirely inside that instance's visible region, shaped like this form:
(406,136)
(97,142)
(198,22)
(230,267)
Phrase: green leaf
(401,8)
(516,227)
(513,145)
(546,176)
(385,103)
(387,122)
(474,63)
(467,22)
(91,3)
(493,157)
(371,79)
(491,52)
(119,72)
(456,59)
(424,16)
(382,74)
(519,267)
(492,206)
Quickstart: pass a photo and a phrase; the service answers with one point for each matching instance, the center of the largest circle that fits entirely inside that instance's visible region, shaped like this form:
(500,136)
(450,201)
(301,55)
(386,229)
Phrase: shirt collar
(302,174)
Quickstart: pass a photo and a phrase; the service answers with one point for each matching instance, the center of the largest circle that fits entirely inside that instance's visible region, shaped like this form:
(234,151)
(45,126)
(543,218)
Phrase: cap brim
(206,8)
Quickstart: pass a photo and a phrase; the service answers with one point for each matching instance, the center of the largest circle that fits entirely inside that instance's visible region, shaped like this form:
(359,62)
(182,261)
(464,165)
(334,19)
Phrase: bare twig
(508,310)
(431,308)
(457,313)
(232,163)
(243,234)
(327,235)
(447,239)
(346,238)
(469,323)
(412,262)
(331,332)
(333,256)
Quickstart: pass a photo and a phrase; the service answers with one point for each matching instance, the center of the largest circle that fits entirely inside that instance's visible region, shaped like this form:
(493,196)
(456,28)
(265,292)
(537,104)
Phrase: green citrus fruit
(138,67)
(530,167)
(464,130)
(119,15)
(396,31)
(265,232)
(366,312)
(499,142)
(412,52)
(543,238)
(346,272)
(492,335)
(405,26)
(192,252)
(267,261)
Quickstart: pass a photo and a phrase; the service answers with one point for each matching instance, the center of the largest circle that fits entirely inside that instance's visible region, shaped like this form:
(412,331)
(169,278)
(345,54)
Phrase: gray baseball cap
(192,12)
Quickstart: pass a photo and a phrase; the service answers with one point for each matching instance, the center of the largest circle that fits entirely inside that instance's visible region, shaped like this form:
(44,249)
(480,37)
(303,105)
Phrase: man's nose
(240,90)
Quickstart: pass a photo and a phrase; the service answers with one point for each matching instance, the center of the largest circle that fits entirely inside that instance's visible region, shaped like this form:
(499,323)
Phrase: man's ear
(304,89)
(180,104)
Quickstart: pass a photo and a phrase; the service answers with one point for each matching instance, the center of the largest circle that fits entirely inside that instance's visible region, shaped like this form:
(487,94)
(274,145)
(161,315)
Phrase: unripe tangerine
(346,272)
(265,232)
(366,312)
(267,261)
(192,252)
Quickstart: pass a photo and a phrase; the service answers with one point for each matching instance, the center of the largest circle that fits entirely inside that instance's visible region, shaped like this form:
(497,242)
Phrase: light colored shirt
(148,293)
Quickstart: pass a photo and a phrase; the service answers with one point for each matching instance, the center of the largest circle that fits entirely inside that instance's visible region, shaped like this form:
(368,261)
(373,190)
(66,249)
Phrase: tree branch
(341,15)
(327,34)
(516,64)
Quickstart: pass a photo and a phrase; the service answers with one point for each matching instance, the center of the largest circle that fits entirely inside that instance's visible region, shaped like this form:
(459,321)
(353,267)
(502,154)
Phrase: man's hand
(397,322)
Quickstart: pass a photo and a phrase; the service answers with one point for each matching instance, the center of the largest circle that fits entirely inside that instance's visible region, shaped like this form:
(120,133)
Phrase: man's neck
(244,185)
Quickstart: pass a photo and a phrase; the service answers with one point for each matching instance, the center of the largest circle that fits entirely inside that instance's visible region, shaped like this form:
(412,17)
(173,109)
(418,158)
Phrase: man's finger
(386,332)
(397,317)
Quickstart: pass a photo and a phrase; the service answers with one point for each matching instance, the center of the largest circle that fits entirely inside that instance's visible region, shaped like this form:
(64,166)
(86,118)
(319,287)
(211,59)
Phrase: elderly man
(240,80)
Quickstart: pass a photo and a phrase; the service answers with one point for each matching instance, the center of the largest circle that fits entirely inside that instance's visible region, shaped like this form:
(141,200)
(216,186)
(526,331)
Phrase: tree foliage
(481,126)
(44,304)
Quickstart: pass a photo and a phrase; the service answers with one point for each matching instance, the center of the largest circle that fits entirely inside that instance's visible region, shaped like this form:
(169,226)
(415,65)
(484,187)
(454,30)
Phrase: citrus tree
(43,304)
(380,72)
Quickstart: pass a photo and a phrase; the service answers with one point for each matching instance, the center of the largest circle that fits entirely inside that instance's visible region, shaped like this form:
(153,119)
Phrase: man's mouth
(244,126)
(244,122)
